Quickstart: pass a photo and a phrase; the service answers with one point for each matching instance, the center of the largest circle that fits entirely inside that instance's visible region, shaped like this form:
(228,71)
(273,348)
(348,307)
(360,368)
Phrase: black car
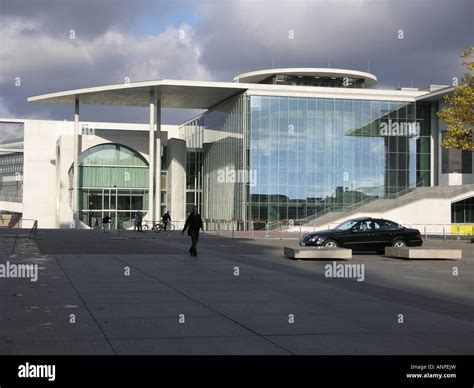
(365,234)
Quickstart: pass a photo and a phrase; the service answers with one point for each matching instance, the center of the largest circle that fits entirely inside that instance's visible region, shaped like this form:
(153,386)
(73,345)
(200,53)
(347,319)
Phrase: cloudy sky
(54,45)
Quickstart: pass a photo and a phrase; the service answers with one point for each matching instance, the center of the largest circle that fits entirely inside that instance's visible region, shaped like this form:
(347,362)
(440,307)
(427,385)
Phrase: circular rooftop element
(281,76)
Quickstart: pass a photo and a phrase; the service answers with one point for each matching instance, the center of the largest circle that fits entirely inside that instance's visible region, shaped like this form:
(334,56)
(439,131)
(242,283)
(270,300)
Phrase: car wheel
(399,243)
(330,244)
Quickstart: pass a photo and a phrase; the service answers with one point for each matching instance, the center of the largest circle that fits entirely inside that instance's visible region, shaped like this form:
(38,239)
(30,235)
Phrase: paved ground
(171,303)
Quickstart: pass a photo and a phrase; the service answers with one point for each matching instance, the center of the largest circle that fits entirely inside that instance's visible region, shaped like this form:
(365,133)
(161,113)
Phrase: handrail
(333,206)
(34,229)
(364,201)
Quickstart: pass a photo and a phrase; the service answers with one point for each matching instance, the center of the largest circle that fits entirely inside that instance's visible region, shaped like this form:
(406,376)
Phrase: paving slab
(228,313)
(250,345)
(66,348)
(358,344)
(171,327)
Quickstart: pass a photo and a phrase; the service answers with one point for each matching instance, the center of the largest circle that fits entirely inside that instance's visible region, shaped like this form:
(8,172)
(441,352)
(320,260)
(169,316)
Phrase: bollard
(281,230)
(266,229)
(232,223)
(252,231)
(458,236)
(426,236)
(301,235)
(444,234)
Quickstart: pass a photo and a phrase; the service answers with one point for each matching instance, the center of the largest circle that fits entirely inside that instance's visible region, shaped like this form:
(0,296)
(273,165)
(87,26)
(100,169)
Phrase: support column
(434,145)
(158,159)
(75,185)
(151,160)
(176,185)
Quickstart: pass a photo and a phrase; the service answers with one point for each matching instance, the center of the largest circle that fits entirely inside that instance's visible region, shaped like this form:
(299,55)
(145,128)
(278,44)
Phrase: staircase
(383,204)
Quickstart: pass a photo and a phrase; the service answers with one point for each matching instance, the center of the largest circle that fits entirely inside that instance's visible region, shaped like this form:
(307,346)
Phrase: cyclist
(138,221)
(166,220)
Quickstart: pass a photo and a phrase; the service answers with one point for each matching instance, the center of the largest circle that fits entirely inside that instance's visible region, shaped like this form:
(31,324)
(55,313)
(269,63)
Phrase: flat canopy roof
(260,75)
(171,93)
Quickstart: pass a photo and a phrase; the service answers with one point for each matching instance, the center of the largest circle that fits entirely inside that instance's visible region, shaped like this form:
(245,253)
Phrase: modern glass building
(292,158)
(273,146)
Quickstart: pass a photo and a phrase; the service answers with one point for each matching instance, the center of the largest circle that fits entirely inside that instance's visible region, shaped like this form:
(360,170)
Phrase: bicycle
(145,226)
(163,226)
(159,226)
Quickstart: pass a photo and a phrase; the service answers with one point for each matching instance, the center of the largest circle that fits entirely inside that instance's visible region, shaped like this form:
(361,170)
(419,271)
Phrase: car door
(381,235)
(358,237)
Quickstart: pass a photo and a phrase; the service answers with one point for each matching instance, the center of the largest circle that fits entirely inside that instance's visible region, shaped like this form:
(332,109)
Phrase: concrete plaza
(141,293)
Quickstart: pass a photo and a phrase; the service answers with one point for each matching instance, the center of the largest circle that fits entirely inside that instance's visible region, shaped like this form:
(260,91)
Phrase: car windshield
(346,225)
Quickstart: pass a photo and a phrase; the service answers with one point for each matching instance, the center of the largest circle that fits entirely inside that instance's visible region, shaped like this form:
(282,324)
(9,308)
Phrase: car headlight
(314,238)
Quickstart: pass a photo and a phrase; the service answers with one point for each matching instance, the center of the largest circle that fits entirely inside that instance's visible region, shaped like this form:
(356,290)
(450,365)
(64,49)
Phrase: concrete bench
(317,253)
(419,253)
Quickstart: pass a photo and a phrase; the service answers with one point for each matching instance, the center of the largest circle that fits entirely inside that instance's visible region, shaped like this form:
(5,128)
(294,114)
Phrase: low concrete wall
(424,253)
(322,253)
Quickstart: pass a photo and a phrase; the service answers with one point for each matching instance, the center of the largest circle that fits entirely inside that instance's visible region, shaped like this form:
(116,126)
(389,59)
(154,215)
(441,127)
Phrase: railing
(338,208)
(34,230)
(23,227)
(296,229)
(341,208)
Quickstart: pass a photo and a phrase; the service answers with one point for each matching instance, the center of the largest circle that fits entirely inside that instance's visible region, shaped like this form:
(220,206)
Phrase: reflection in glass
(310,155)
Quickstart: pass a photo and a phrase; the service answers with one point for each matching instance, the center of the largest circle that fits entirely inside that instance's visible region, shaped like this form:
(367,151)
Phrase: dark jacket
(194,222)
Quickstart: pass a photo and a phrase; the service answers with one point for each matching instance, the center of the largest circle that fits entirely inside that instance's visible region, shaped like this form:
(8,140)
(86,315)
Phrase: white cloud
(348,33)
(28,53)
(229,37)
(4,111)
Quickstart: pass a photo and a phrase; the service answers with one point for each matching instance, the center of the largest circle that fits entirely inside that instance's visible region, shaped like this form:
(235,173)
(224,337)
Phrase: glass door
(109,205)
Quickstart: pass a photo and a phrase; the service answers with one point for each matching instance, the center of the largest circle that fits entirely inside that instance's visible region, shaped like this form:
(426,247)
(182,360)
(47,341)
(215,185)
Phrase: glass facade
(301,80)
(11,177)
(217,160)
(194,159)
(462,212)
(277,158)
(313,155)
(113,181)
(11,161)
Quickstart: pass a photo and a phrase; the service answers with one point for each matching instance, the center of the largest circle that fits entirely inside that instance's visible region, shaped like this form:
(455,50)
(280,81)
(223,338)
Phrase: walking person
(193,224)
(138,221)
(106,221)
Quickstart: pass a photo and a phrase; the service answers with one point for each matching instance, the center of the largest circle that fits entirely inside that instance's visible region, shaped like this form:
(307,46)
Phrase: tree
(459,114)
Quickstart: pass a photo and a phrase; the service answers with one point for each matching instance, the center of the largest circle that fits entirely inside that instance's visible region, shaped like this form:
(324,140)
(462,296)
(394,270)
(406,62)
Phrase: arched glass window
(113,182)
(111,155)
(112,165)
